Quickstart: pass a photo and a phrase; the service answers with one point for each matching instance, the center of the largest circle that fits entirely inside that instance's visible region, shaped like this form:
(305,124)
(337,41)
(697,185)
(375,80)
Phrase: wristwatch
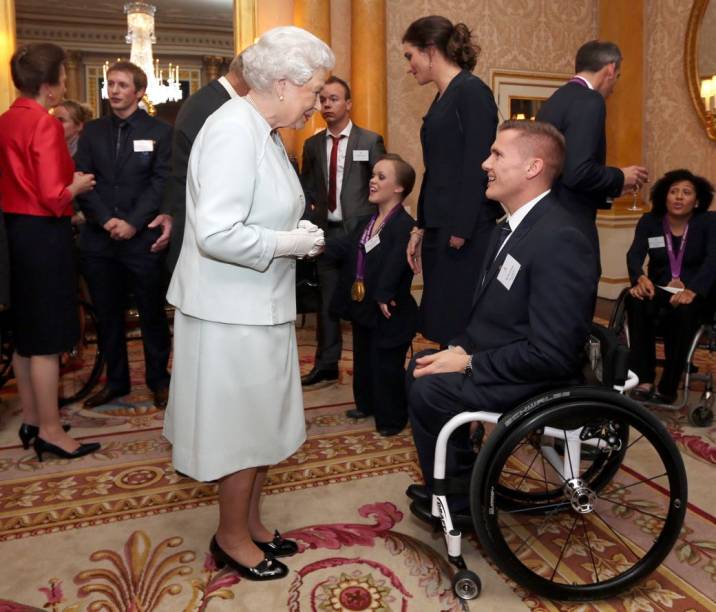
(468,367)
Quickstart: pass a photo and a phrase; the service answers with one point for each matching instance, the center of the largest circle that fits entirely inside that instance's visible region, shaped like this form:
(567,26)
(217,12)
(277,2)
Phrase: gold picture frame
(519,95)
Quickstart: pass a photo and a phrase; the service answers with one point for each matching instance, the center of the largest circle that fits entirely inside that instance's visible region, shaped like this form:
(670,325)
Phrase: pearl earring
(280,98)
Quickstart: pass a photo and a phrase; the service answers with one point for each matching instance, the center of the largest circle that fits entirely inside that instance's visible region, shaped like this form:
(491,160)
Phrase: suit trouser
(328,327)
(432,401)
(378,379)
(105,276)
(678,326)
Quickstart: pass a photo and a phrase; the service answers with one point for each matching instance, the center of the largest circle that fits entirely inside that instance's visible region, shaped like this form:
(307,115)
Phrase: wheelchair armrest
(613,356)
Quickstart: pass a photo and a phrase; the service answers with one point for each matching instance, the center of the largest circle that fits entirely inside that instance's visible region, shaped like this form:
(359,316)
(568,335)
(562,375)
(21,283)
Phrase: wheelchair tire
(466,585)
(81,368)
(582,525)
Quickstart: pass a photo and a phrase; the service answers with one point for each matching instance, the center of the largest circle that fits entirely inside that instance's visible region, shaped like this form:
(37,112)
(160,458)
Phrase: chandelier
(140,34)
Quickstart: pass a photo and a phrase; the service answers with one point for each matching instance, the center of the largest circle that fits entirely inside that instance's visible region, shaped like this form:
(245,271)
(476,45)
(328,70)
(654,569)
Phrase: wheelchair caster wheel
(466,584)
(701,416)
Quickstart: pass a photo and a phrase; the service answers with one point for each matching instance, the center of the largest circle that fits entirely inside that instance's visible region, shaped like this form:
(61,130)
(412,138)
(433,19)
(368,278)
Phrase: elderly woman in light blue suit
(235,404)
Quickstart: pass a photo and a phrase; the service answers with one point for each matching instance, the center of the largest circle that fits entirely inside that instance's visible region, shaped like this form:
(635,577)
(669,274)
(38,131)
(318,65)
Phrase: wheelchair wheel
(589,542)
(81,368)
(466,584)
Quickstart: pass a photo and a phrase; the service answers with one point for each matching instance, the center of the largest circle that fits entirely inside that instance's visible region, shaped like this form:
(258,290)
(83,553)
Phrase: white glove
(307,225)
(299,242)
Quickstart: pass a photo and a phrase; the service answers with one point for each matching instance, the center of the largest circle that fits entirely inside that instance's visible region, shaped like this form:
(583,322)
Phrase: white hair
(286,52)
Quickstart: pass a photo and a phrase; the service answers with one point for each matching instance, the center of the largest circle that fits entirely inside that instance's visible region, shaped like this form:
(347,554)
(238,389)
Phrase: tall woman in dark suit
(37,184)
(454,215)
(679,235)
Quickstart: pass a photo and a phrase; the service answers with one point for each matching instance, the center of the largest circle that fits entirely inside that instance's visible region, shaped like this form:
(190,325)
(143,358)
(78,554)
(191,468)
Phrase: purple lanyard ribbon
(579,81)
(675,260)
(360,263)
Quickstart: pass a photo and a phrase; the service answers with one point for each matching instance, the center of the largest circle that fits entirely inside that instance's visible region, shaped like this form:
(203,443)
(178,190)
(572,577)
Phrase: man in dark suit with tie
(578,110)
(337,165)
(531,313)
(128,152)
(193,113)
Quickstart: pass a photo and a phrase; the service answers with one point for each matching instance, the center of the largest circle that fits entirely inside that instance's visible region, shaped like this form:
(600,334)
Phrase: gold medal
(358,291)
(677,283)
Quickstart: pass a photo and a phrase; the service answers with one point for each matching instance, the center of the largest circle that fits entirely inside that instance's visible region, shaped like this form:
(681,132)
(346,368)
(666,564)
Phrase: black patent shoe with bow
(268,569)
(278,547)
(41,447)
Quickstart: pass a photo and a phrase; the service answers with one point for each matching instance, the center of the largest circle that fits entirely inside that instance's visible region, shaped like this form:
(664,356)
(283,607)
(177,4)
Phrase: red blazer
(35,165)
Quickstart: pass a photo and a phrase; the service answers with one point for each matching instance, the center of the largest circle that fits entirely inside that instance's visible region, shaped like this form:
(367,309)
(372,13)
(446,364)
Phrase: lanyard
(675,260)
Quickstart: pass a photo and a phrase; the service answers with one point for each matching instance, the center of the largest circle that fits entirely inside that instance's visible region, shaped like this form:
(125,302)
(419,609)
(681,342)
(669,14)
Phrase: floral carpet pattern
(120,530)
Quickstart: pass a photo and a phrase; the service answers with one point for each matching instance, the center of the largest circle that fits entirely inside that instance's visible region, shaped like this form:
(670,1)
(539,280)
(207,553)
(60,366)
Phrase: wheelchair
(549,486)
(700,414)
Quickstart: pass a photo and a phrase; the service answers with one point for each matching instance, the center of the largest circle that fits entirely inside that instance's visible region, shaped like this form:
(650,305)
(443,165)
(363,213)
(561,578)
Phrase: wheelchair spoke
(569,456)
(564,548)
(529,467)
(630,507)
(589,547)
(633,484)
(540,480)
(564,504)
(599,516)
(635,441)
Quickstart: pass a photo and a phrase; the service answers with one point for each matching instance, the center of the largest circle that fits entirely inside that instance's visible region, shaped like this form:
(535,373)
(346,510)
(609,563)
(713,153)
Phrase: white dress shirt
(337,214)
(515,219)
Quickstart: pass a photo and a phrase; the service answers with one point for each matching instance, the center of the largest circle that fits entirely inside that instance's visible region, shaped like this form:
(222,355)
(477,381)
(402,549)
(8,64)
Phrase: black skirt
(43,284)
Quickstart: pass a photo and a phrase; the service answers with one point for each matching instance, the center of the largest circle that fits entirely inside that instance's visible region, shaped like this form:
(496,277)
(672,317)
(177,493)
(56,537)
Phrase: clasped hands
(453,359)
(307,240)
(645,289)
(119,229)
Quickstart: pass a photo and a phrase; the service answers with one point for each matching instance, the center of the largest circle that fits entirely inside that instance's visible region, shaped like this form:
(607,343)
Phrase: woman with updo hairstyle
(37,185)
(679,237)
(455,217)
(235,401)
(73,116)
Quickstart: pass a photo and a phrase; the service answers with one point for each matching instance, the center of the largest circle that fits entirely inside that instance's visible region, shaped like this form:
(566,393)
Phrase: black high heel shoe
(268,569)
(45,447)
(278,547)
(28,433)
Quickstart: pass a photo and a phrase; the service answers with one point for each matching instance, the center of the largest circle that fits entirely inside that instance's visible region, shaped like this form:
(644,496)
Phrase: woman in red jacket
(37,185)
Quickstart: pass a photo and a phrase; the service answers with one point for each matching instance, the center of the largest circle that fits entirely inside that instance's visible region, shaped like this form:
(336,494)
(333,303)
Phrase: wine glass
(635,200)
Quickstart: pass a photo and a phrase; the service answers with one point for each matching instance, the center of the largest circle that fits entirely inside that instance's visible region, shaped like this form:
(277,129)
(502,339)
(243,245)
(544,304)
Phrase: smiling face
(123,94)
(681,200)
(507,168)
(300,101)
(383,187)
(418,63)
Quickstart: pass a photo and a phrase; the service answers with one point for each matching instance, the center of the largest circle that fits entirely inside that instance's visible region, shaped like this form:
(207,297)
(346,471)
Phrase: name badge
(656,242)
(143,146)
(360,155)
(372,243)
(508,271)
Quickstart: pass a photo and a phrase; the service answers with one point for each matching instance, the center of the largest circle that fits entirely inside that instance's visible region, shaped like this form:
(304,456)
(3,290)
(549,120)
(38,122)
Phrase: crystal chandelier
(140,34)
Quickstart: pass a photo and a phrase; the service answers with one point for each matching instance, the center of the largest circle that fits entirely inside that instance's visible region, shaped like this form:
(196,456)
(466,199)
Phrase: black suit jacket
(698,271)
(530,337)
(387,277)
(130,188)
(193,113)
(586,182)
(456,136)
(356,174)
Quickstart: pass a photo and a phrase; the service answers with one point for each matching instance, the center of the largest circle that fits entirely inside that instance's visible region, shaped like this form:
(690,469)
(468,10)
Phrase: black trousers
(432,402)
(108,277)
(378,379)
(677,325)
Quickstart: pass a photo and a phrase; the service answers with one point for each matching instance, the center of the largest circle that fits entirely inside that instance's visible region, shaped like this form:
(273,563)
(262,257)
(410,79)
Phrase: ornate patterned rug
(121,530)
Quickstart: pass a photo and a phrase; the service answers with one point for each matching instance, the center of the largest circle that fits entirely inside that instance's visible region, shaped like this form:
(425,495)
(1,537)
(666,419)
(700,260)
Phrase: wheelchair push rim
(594,541)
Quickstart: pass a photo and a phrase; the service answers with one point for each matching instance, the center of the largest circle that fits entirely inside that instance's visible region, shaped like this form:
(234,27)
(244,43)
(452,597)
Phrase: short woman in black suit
(454,215)
(679,235)
(373,293)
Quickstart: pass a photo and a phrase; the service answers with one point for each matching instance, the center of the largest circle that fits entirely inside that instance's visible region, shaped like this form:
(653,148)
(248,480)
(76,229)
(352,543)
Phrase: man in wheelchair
(531,313)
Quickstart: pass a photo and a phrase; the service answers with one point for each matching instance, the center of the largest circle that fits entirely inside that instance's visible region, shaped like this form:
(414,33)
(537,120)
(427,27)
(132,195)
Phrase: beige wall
(674,136)
(538,35)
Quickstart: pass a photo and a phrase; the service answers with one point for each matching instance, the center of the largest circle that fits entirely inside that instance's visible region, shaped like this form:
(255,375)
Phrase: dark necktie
(333,172)
(504,230)
(120,126)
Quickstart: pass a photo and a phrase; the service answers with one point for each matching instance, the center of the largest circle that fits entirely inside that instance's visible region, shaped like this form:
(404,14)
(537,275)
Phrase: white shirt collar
(228,87)
(585,81)
(346,131)
(518,216)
